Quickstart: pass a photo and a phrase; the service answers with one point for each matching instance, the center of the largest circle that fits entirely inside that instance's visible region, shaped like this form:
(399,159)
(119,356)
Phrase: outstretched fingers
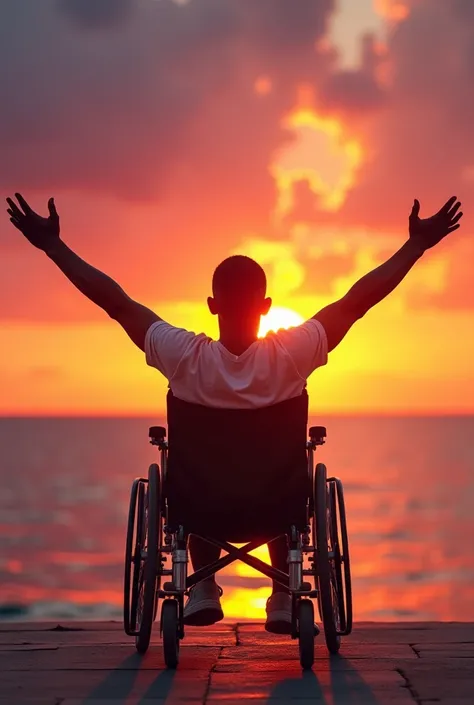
(15,214)
(14,210)
(52,209)
(15,223)
(452,228)
(24,204)
(415,211)
(456,218)
(453,215)
(452,211)
(447,206)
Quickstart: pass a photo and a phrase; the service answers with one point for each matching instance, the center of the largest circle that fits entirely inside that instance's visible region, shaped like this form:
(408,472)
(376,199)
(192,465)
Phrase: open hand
(41,232)
(428,232)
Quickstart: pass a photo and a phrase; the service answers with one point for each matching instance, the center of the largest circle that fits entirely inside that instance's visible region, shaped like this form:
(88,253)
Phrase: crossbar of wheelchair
(209,570)
(235,554)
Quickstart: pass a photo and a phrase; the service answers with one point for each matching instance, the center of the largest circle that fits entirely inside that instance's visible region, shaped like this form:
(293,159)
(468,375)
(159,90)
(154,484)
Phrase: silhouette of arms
(339,317)
(44,233)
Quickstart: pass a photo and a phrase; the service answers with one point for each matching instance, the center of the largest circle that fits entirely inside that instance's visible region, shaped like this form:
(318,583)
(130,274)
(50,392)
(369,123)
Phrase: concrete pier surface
(95,663)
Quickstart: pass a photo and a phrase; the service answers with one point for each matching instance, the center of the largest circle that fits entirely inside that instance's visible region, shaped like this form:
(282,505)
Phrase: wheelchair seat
(237,474)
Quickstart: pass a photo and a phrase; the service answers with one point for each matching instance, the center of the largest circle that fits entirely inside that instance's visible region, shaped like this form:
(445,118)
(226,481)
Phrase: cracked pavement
(95,663)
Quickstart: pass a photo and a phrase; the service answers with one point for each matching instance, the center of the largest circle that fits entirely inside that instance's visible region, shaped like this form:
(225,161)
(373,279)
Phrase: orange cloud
(185,151)
(396,10)
(263,85)
(321,155)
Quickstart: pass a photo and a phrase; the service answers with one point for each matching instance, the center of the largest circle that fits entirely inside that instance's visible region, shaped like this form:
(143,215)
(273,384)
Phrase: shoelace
(220,590)
(274,595)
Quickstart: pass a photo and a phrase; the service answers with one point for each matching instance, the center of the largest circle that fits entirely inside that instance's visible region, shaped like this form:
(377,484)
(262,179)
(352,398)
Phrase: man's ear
(267,304)
(212,305)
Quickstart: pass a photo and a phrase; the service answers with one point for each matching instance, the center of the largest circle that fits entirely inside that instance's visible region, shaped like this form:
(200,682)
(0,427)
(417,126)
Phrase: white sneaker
(279,614)
(203,607)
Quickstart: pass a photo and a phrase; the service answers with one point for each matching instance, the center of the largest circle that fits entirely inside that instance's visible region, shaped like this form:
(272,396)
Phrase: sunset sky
(175,134)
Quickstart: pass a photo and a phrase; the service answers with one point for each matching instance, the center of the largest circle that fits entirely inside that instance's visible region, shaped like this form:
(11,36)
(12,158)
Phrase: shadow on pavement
(335,687)
(347,684)
(119,683)
(160,687)
(306,687)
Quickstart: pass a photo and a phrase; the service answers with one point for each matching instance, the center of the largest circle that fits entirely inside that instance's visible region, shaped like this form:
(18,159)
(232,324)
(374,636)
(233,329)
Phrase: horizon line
(428,413)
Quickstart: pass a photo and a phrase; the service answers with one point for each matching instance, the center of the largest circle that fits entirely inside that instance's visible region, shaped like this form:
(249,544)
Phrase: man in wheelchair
(237,407)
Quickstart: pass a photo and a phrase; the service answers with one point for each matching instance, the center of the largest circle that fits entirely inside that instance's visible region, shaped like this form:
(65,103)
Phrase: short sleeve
(165,347)
(307,345)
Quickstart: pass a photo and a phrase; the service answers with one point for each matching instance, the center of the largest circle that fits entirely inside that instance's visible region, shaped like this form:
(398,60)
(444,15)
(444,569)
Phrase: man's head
(239,287)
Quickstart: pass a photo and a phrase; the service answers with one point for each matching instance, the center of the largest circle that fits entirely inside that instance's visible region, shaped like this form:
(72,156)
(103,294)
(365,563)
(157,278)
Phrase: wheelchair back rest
(253,446)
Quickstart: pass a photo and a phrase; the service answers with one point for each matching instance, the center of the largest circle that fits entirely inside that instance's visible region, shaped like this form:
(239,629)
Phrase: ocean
(409,489)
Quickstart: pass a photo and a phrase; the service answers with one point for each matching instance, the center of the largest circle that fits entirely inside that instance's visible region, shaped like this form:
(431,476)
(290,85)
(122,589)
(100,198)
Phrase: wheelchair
(237,476)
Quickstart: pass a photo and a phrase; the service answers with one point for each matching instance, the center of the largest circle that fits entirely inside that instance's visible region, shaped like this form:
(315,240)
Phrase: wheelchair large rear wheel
(327,581)
(151,562)
(340,548)
(133,549)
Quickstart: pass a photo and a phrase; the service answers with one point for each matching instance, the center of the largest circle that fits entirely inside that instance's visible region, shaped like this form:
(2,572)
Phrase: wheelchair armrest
(317,434)
(157,434)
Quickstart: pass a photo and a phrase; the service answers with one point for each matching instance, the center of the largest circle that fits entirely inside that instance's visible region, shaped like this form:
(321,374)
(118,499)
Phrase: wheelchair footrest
(306,593)
(169,590)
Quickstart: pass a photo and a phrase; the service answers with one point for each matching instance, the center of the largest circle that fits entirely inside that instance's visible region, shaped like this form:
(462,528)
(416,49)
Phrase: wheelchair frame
(323,542)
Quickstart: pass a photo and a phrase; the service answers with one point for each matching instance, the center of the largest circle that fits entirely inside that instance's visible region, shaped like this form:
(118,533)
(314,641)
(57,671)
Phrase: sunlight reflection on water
(409,487)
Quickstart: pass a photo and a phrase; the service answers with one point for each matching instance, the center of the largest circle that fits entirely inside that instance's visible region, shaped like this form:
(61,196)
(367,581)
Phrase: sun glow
(279,317)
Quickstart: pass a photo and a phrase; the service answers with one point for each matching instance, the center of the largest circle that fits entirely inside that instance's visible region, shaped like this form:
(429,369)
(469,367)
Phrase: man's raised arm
(44,233)
(339,317)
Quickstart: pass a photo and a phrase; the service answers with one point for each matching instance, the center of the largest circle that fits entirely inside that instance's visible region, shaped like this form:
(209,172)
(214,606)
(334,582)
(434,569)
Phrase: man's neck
(237,342)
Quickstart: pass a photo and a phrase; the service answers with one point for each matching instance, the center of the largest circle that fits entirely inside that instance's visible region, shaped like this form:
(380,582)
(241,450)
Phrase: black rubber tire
(132,558)
(127,578)
(333,640)
(306,633)
(169,629)
(346,556)
(142,640)
(336,547)
(155,606)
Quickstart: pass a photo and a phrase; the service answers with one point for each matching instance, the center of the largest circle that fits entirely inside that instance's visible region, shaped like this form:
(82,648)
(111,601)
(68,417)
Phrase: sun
(279,317)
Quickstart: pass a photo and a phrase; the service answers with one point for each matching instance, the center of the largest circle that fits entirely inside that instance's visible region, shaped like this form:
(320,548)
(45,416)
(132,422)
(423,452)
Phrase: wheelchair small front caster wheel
(170,631)
(306,633)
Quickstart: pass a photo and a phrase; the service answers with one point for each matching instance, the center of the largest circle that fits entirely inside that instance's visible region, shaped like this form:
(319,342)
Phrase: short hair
(239,279)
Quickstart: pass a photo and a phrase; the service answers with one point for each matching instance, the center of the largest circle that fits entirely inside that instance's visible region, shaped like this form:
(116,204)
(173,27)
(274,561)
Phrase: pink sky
(174,135)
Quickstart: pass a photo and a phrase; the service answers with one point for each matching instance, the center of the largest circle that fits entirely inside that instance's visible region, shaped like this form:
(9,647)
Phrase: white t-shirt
(202,371)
